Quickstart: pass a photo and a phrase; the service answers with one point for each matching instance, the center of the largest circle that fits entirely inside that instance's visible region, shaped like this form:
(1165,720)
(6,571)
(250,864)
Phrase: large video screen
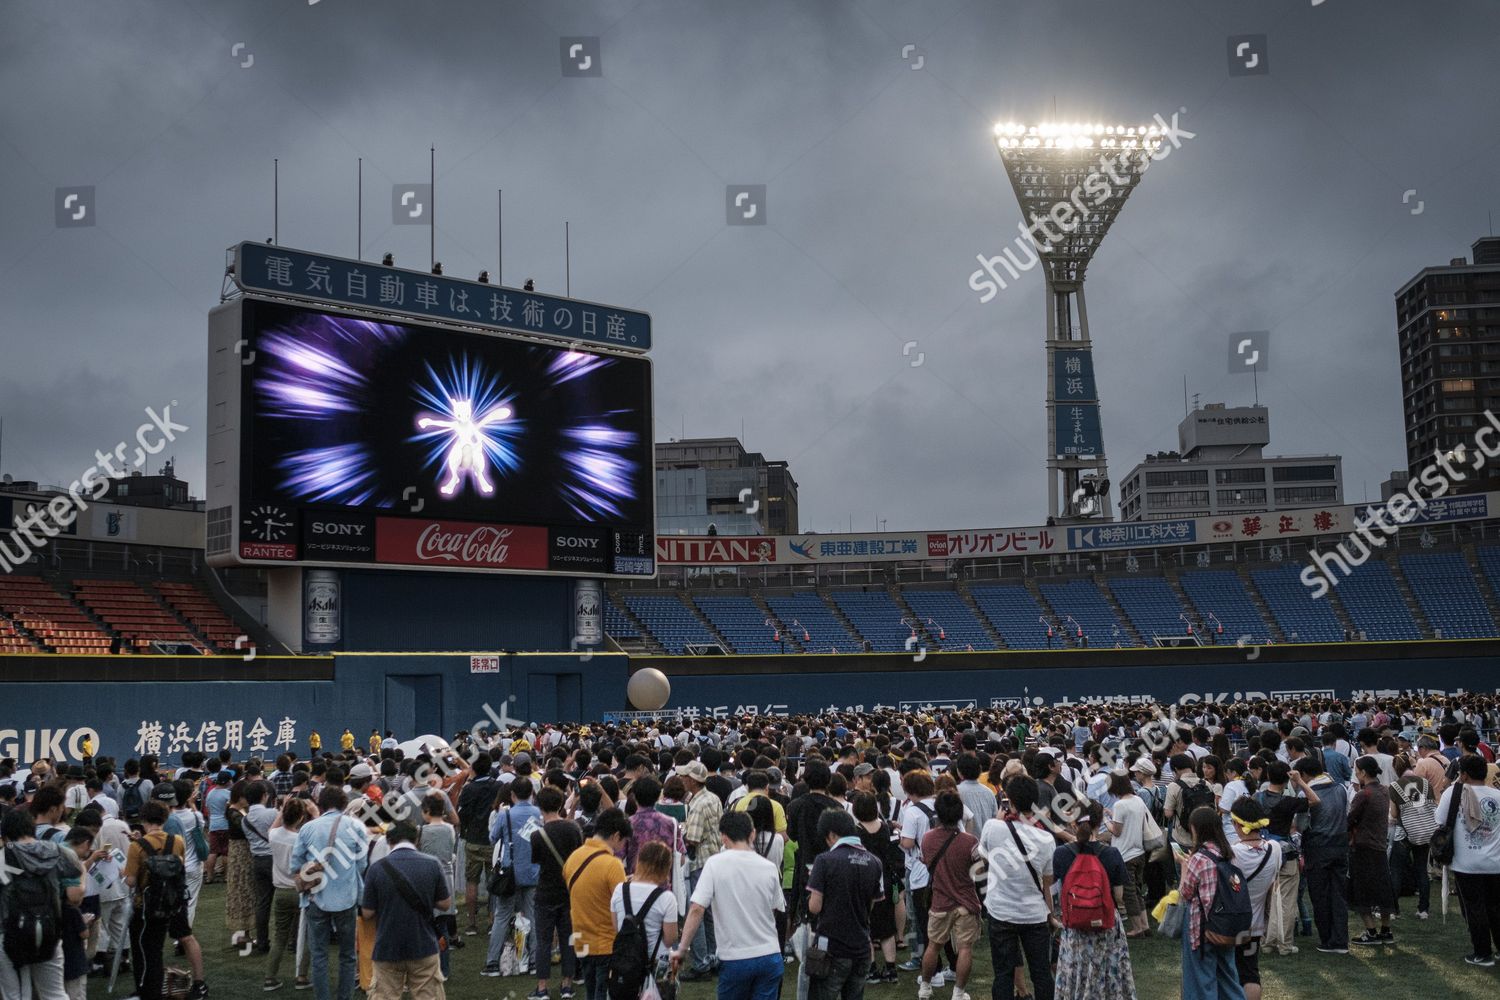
(393,442)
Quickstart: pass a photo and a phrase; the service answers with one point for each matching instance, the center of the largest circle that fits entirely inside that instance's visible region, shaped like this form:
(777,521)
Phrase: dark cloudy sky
(1284,213)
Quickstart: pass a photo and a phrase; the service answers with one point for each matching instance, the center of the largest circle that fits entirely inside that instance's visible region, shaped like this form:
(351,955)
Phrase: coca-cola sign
(442,544)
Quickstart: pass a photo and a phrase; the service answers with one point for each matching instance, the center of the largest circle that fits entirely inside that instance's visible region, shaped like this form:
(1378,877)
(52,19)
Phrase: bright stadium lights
(1076,135)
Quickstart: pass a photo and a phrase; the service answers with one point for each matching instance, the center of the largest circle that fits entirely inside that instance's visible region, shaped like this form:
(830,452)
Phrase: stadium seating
(1081,601)
(1375,604)
(618,624)
(62,626)
(1151,605)
(824,632)
(671,622)
(740,621)
(12,641)
(1444,586)
(202,612)
(1221,593)
(951,617)
(1013,612)
(133,614)
(1293,606)
(876,617)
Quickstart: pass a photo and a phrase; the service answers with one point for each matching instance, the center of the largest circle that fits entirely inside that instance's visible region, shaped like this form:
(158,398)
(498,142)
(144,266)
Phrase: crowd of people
(640,855)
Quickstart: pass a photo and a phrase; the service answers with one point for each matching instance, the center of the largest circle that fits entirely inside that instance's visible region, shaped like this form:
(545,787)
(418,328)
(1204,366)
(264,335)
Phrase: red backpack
(1088,903)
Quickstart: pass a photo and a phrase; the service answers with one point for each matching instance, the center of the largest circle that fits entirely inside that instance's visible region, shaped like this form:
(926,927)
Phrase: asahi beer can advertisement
(320,612)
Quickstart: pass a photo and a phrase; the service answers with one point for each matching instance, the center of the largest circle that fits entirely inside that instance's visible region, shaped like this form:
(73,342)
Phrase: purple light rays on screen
(598,468)
(308,374)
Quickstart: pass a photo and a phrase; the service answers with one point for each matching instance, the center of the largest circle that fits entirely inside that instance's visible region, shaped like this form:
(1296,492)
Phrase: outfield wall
(172,704)
(714,685)
(141,704)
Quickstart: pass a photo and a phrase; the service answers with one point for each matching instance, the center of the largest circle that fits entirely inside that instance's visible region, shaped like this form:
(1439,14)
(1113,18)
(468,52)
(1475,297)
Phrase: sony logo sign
(571,542)
(335,528)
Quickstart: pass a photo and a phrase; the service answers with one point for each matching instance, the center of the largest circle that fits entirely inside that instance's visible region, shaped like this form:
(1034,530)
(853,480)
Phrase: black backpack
(1227,920)
(166,881)
(131,799)
(33,916)
(1193,797)
(629,963)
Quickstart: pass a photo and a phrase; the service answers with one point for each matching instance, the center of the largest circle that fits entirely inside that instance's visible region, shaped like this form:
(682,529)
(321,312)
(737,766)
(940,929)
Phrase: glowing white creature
(466,452)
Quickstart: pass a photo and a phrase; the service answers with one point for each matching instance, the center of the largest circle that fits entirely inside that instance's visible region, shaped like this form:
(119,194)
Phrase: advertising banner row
(987,543)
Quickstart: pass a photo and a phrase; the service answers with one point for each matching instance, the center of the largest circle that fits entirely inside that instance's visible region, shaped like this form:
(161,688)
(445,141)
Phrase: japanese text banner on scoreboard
(365,442)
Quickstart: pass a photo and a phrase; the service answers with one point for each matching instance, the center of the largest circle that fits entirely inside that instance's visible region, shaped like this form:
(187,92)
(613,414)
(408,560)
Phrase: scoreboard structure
(348,435)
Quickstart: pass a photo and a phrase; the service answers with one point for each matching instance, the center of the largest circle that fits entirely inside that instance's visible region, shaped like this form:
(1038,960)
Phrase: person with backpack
(1218,912)
(135,791)
(1186,793)
(476,800)
(155,872)
(1093,961)
(401,892)
(513,884)
(1260,860)
(948,853)
(645,916)
(1469,815)
(1286,816)
(40,877)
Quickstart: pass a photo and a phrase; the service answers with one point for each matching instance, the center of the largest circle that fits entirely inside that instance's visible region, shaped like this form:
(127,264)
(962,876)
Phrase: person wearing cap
(700,831)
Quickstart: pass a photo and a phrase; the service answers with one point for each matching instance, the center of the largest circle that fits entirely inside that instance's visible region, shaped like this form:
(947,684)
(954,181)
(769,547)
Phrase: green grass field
(1426,960)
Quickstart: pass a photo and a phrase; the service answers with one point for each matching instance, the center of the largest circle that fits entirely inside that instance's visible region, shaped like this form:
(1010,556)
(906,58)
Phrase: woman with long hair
(1208,971)
(766,841)
(653,872)
(1211,770)
(286,901)
(879,839)
(1127,829)
(239,878)
(1093,965)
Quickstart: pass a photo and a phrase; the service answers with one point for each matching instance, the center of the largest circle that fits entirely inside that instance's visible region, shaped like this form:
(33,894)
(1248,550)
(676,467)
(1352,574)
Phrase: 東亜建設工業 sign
(276,270)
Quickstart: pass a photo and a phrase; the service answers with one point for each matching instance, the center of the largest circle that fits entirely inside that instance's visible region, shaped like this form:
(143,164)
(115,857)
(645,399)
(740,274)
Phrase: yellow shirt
(593,922)
(315,741)
(778,814)
(347,741)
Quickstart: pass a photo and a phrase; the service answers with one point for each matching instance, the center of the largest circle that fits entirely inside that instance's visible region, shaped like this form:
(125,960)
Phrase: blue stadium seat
(1013,612)
(668,620)
(1444,586)
(950,616)
(824,631)
(618,624)
(1292,604)
(1222,593)
(1151,604)
(1081,600)
(739,620)
(876,617)
(1375,605)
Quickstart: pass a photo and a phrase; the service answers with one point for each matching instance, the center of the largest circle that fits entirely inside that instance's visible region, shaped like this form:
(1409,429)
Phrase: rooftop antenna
(1255,381)
(1196,395)
(432,197)
(1184,394)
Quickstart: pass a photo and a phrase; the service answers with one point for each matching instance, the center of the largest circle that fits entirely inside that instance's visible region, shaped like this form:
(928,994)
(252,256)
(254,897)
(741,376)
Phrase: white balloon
(648,689)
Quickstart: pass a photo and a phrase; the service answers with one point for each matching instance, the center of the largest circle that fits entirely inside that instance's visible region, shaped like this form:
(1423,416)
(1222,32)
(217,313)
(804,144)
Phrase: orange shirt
(593,922)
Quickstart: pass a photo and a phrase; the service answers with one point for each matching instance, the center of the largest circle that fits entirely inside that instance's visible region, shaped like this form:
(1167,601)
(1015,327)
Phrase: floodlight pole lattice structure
(1071,182)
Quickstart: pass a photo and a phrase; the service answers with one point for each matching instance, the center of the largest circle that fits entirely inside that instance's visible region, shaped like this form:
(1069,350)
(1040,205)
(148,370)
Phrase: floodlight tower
(1072,180)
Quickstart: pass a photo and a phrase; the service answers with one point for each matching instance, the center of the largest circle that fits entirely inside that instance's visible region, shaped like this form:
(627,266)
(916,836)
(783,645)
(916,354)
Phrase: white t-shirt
(915,824)
(282,843)
(663,911)
(743,890)
(1247,859)
(1476,852)
(1011,894)
(1130,812)
(106,805)
(1233,791)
